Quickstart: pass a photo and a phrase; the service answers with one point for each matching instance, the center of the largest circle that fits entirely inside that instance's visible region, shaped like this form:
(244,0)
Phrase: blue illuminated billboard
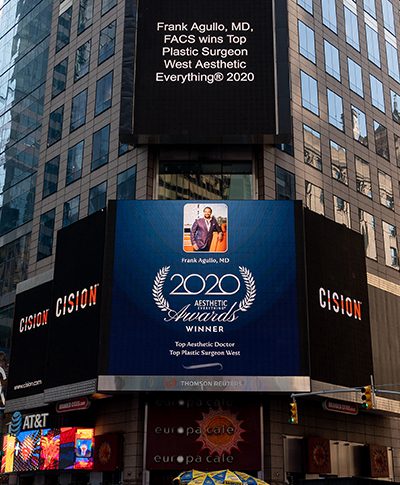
(205,295)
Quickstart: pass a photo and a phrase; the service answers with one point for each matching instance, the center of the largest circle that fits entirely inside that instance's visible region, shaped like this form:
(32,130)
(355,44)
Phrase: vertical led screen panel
(204,296)
(74,333)
(340,335)
(29,342)
(205,71)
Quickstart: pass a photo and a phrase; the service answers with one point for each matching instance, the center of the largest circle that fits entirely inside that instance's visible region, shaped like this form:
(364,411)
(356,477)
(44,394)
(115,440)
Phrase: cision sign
(207,68)
(204,296)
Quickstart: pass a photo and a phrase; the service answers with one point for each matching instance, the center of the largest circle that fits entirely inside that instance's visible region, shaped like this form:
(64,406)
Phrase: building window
(107,5)
(367,229)
(55,125)
(306,41)
(369,7)
(14,259)
(373,45)
(97,197)
(341,211)
(359,122)
(46,233)
(315,198)
(85,15)
(78,110)
(335,110)
(74,163)
(126,184)
(355,77)
(394,101)
(100,147)
(63,29)
(82,60)
(338,162)
(107,42)
(60,77)
(332,60)
(351,27)
(392,61)
(390,244)
(71,211)
(309,93)
(124,148)
(50,181)
(388,16)
(381,140)
(377,93)
(385,190)
(397,149)
(312,147)
(363,177)
(103,93)
(329,14)
(285,184)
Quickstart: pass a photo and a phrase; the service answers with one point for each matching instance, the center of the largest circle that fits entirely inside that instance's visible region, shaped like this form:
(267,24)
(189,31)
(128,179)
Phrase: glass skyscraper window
(315,198)
(363,177)
(341,210)
(312,147)
(385,190)
(64,29)
(390,245)
(60,77)
(355,77)
(107,42)
(46,233)
(285,184)
(100,147)
(126,184)
(78,110)
(82,60)
(50,182)
(74,163)
(392,61)
(103,93)
(388,16)
(369,7)
(397,149)
(335,110)
(107,5)
(359,122)
(85,15)
(367,229)
(381,140)
(14,258)
(332,61)
(309,92)
(373,45)
(71,211)
(55,125)
(329,14)
(338,162)
(395,106)
(97,197)
(351,27)
(377,97)
(306,41)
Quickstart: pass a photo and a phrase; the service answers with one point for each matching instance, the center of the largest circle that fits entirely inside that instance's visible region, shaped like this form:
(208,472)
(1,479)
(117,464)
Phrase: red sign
(108,452)
(319,456)
(73,405)
(340,407)
(208,434)
(378,457)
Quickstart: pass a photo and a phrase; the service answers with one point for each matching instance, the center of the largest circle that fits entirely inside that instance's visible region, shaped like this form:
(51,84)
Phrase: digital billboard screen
(339,327)
(29,341)
(206,69)
(204,295)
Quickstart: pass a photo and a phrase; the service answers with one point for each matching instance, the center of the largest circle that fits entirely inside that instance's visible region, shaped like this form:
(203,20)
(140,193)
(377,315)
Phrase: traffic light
(367,397)
(294,417)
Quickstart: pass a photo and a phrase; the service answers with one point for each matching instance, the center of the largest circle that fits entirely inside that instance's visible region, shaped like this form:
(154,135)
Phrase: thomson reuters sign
(334,301)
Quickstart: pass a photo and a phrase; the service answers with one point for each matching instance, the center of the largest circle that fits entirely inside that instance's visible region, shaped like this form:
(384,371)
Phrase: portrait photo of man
(205,231)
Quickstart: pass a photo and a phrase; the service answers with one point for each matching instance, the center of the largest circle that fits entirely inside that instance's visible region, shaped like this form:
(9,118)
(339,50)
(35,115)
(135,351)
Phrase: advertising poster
(208,68)
(204,296)
(210,433)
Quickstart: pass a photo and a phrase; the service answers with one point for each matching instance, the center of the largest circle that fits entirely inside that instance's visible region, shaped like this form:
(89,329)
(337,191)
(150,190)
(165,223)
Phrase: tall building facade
(64,85)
